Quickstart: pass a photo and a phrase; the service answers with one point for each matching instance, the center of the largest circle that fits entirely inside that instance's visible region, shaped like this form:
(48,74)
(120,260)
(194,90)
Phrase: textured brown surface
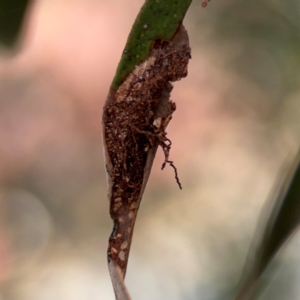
(134,122)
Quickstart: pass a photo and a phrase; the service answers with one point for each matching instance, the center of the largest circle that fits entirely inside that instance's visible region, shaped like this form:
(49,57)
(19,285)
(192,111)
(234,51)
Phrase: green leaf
(11,18)
(282,222)
(158,19)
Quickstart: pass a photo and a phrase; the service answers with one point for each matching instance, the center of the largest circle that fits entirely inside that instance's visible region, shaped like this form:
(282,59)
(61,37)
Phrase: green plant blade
(11,17)
(157,19)
(283,220)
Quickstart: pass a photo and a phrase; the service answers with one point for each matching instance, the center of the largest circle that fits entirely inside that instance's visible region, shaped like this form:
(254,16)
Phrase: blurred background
(236,127)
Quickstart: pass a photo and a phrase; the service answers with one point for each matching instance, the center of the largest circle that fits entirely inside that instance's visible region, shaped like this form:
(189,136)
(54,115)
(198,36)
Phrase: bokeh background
(235,129)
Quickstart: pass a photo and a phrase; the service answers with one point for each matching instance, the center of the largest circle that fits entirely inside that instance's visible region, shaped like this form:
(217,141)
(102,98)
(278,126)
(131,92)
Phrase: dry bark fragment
(134,121)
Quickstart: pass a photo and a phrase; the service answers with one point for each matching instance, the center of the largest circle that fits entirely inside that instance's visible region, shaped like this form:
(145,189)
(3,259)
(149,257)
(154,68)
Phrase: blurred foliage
(264,26)
(261,40)
(280,225)
(11,17)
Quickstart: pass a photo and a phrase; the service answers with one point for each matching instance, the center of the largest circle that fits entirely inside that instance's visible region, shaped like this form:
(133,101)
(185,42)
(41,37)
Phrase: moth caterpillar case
(135,117)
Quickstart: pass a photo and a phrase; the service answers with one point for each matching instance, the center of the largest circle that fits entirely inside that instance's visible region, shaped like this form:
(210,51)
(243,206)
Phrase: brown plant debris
(204,3)
(134,121)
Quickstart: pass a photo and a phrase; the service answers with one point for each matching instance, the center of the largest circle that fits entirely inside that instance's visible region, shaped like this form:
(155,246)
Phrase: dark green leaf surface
(158,19)
(11,17)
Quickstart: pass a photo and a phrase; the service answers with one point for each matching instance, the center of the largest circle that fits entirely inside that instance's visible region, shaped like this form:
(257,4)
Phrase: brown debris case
(134,121)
